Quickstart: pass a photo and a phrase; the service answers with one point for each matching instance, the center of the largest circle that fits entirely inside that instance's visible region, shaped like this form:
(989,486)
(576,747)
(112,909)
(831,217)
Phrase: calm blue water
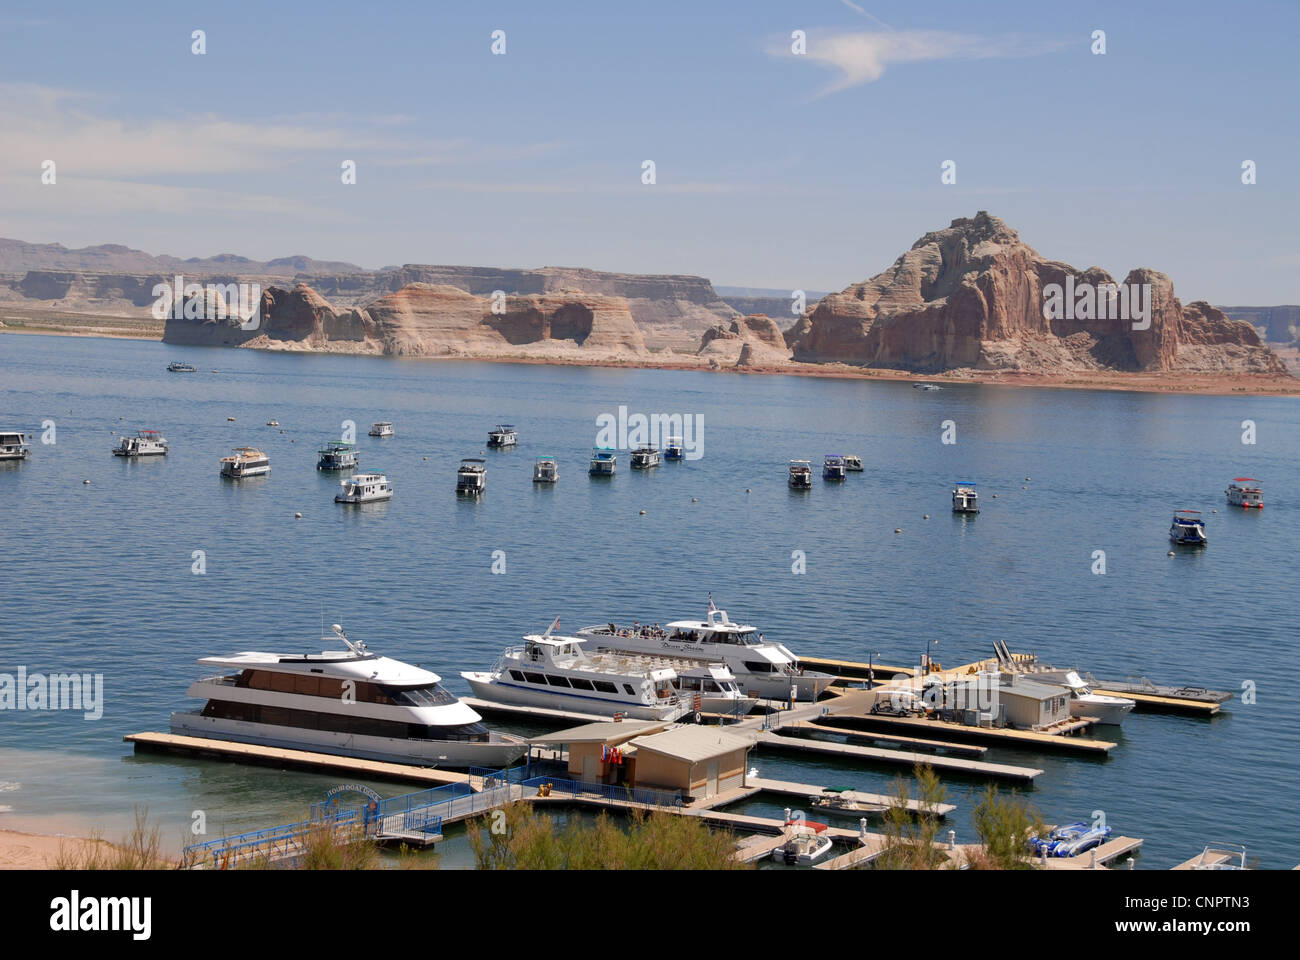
(98,578)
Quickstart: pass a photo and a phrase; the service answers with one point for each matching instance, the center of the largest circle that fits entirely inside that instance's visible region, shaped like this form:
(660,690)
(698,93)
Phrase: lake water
(98,578)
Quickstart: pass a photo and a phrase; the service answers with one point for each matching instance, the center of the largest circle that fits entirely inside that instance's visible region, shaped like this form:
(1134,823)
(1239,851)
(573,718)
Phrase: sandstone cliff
(973,296)
(755,340)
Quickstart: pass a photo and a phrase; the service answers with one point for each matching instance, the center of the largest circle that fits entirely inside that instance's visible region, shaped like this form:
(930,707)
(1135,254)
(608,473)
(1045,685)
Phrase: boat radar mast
(357,647)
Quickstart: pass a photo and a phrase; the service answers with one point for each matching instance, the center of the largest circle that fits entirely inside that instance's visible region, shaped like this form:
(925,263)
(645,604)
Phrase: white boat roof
(727,626)
(342,664)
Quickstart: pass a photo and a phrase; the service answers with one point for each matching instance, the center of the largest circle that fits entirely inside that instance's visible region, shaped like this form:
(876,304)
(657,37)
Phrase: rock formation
(973,296)
(755,339)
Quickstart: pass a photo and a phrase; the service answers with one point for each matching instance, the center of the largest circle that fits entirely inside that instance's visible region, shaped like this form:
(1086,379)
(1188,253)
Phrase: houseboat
(557,673)
(1188,528)
(853,464)
(604,461)
(145,443)
(833,467)
(349,702)
(965,498)
(245,462)
(337,455)
(177,366)
(673,449)
(645,457)
(13,445)
(384,428)
(1245,492)
(546,470)
(762,669)
(471,477)
(503,435)
(364,488)
(801,474)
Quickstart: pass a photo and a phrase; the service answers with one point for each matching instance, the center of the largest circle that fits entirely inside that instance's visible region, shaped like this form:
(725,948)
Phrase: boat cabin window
(628,688)
(429,695)
(517,675)
(535,677)
(604,686)
(754,666)
(556,681)
(340,723)
(580,684)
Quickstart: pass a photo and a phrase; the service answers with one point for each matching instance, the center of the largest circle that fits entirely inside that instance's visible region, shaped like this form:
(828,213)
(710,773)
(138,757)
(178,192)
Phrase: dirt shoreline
(37,851)
(1192,384)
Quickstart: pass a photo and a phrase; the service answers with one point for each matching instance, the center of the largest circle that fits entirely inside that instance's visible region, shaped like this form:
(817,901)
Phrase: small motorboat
(852,463)
(273,423)
(842,801)
(673,449)
(1240,495)
(1069,840)
(805,843)
(833,467)
(926,386)
(965,498)
(384,428)
(502,435)
(801,474)
(177,366)
(471,477)
(546,470)
(1188,528)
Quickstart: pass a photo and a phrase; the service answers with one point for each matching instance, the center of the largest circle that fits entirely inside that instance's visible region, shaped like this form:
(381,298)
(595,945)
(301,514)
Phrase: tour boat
(471,478)
(337,455)
(805,843)
(713,686)
(364,488)
(852,463)
(1069,840)
(673,449)
(801,474)
(1245,496)
(604,461)
(502,436)
(349,702)
(1188,528)
(245,462)
(557,673)
(833,467)
(13,445)
(644,458)
(145,443)
(546,470)
(762,669)
(965,498)
(384,428)
(177,366)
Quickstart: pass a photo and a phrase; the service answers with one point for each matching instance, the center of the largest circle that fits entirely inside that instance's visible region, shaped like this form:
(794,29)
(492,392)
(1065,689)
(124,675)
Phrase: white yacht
(503,435)
(645,457)
(471,477)
(965,498)
(1083,702)
(13,445)
(364,488)
(673,449)
(384,428)
(245,462)
(145,443)
(762,669)
(546,470)
(833,467)
(604,461)
(337,455)
(350,702)
(1245,492)
(555,672)
(715,686)
(801,474)
(852,463)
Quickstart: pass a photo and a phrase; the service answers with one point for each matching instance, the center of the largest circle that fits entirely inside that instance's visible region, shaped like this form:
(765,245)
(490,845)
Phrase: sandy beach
(37,851)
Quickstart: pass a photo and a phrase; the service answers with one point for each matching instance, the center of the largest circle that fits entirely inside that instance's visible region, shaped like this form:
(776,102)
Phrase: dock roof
(692,743)
(605,731)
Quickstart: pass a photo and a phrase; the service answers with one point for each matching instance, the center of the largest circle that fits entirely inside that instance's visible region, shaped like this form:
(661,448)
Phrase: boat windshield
(431,695)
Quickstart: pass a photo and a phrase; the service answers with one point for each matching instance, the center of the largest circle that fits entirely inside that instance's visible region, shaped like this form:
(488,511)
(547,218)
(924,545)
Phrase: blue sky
(773,170)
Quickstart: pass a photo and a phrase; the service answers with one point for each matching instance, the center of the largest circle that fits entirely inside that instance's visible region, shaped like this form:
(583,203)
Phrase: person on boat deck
(612,628)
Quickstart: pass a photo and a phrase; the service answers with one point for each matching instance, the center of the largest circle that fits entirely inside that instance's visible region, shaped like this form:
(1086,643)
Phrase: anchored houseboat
(503,435)
(761,668)
(546,470)
(645,457)
(13,445)
(604,461)
(965,498)
(364,488)
(177,367)
(801,474)
(673,449)
(471,478)
(337,455)
(852,464)
(350,702)
(145,443)
(555,672)
(1188,528)
(833,467)
(1240,495)
(245,462)
(384,428)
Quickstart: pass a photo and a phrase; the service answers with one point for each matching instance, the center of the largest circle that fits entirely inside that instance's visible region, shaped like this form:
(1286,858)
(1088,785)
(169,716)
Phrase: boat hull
(1111,710)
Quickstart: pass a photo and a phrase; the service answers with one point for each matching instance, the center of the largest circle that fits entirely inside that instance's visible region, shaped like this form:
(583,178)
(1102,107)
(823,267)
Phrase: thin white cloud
(859,58)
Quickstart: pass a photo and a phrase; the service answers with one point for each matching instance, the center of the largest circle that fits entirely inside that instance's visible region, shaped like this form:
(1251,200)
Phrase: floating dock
(908,758)
(1154,703)
(1095,859)
(1001,736)
(810,791)
(829,726)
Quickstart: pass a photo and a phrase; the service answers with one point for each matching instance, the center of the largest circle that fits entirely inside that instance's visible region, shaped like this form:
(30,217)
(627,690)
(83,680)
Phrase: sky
(772,168)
